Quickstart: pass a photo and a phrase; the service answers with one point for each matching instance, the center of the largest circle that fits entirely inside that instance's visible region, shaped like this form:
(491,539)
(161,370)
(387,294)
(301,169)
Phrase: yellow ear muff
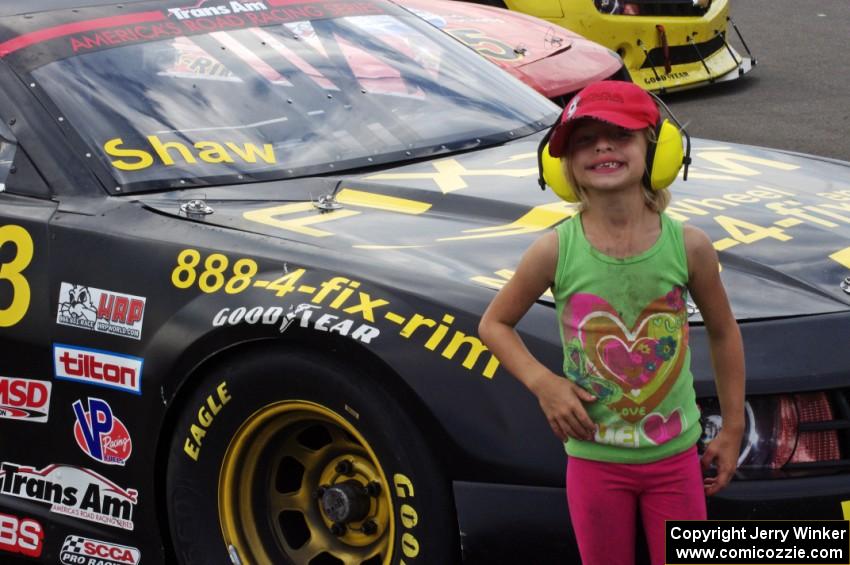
(552,173)
(667,157)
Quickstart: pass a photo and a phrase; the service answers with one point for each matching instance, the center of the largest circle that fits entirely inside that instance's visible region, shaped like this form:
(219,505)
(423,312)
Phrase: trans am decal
(97,367)
(24,399)
(71,491)
(104,311)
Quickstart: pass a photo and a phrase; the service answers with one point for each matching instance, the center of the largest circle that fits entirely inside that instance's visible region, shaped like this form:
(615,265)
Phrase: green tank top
(624,328)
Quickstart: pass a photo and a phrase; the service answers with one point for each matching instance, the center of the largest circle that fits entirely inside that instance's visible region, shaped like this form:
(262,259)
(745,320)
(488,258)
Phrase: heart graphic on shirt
(661,430)
(644,360)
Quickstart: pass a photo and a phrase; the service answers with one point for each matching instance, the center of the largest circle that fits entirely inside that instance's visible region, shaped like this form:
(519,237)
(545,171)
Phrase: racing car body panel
(447,214)
(665,46)
(554,60)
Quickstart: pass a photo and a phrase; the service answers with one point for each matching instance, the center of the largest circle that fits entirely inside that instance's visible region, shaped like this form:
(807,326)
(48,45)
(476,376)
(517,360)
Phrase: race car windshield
(306,97)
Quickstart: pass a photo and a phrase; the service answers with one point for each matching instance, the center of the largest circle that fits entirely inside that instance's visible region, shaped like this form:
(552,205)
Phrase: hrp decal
(77,550)
(100,310)
(24,399)
(20,535)
(100,434)
(97,367)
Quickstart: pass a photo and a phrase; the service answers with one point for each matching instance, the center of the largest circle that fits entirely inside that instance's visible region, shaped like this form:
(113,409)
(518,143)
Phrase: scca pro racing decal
(21,535)
(97,367)
(100,310)
(24,399)
(78,550)
(71,491)
(100,434)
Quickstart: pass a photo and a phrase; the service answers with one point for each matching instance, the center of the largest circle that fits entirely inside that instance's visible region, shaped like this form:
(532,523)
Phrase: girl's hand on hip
(723,451)
(561,401)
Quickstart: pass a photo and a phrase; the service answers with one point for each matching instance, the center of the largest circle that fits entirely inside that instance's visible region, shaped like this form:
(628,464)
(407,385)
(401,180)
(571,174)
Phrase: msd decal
(24,399)
(100,434)
(20,535)
(78,550)
(100,310)
(71,491)
(97,367)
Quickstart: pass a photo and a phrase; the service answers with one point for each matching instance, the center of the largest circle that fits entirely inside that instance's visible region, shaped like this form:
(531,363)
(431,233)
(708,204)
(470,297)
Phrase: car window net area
(301,98)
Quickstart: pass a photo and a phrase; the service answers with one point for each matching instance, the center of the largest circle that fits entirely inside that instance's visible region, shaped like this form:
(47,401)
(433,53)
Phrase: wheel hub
(345,502)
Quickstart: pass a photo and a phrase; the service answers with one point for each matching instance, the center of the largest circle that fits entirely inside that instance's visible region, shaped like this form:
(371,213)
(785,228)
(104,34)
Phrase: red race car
(553,60)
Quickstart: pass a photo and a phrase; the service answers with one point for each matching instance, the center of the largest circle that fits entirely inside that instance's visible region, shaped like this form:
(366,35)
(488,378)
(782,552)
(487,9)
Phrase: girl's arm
(727,355)
(559,398)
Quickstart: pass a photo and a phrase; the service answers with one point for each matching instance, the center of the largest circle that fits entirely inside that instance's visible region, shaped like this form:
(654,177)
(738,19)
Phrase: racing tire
(284,457)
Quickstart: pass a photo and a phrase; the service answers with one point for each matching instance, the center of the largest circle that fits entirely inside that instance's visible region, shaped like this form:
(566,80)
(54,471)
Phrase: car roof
(15,7)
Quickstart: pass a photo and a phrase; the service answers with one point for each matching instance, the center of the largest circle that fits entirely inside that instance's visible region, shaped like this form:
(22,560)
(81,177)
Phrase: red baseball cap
(623,104)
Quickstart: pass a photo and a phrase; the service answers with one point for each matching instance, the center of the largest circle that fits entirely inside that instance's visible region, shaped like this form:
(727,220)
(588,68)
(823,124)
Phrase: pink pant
(603,499)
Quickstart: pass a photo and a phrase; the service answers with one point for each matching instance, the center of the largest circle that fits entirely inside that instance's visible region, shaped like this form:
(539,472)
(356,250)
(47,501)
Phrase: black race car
(245,249)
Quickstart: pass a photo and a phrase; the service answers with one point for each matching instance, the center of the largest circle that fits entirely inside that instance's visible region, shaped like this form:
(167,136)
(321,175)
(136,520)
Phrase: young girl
(621,271)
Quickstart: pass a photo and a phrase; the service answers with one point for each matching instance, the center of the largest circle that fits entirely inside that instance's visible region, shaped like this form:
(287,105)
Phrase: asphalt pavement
(797,97)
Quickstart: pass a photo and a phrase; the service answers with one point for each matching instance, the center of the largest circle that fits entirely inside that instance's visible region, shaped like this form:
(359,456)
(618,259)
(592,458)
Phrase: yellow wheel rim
(299,480)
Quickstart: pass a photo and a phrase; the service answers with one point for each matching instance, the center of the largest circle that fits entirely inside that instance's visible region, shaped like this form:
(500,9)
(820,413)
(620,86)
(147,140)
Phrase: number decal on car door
(11,272)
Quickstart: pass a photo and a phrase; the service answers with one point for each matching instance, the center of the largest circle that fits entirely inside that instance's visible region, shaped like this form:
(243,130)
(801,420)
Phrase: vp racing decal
(100,434)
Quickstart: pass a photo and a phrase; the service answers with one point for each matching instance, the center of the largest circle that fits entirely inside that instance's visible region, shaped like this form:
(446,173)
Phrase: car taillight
(784,433)
(815,445)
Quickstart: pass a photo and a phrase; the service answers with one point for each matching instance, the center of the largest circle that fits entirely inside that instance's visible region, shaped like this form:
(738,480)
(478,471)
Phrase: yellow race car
(666,44)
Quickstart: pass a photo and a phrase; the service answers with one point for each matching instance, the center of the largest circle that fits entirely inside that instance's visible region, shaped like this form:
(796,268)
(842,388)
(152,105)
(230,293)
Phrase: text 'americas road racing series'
(245,248)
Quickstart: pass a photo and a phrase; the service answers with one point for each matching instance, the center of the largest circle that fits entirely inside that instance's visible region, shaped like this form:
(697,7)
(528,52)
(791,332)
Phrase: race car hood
(548,57)
(779,221)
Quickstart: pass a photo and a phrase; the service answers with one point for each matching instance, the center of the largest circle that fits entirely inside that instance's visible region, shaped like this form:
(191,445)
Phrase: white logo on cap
(571,110)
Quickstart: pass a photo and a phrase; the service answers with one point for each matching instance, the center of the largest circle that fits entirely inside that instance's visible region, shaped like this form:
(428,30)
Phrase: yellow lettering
(403,486)
(409,517)
(213,152)
(476,348)
(728,162)
(204,417)
(214,408)
(414,323)
(191,450)
(763,194)
(222,393)
(249,152)
(197,433)
(438,335)
(409,545)
(162,150)
(740,198)
(842,257)
(144,159)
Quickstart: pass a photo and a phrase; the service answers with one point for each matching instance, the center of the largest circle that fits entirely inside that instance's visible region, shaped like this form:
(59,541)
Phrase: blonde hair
(655,200)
